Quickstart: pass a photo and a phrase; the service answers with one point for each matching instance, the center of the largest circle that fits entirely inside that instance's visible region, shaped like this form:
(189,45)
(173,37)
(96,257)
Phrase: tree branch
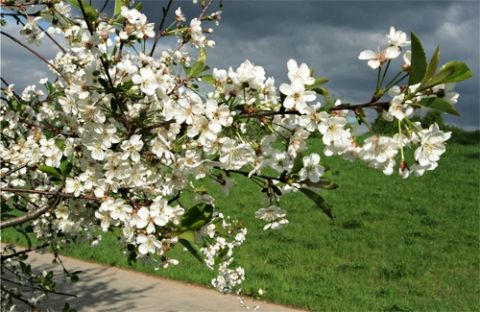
(162,22)
(19,297)
(348,106)
(35,53)
(205,8)
(48,193)
(22,252)
(9,172)
(31,215)
(104,63)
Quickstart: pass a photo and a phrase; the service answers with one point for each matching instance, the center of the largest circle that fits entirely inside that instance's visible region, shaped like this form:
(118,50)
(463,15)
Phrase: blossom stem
(379,71)
(401,139)
(394,82)
(385,73)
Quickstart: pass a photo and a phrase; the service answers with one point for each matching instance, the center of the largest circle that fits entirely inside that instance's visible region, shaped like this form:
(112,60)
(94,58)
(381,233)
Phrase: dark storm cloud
(328,36)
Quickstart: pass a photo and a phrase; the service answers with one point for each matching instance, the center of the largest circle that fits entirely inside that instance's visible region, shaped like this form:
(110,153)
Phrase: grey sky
(327,35)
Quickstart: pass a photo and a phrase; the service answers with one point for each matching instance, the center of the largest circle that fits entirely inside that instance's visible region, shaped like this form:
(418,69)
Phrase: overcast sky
(327,35)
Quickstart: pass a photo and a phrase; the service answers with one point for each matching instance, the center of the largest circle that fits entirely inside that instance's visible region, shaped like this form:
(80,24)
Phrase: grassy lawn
(396,245)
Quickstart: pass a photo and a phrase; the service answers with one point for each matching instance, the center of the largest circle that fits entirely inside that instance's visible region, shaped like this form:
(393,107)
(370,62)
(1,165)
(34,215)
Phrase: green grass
(396,245)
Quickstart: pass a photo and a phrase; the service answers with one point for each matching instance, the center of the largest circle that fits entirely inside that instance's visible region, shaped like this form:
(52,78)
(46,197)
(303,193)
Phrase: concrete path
(103,288)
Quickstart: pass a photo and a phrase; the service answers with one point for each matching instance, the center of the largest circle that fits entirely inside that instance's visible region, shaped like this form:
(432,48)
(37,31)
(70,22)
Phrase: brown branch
(104,63)
(48,193)
(205,8)
(17,18)
(162,22)
(31,215)
(52,39)
(12,14)
(9,172)
(104,6)
(22,252)
(19,297)
(34,53)
(14,93)
(261,114)
(348,106)
(31,286)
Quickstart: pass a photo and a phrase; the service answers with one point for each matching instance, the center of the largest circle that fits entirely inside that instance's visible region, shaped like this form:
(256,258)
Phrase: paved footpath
(103,288)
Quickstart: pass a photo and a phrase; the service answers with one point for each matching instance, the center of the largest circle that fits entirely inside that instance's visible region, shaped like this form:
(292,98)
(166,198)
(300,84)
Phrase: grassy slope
(396,245)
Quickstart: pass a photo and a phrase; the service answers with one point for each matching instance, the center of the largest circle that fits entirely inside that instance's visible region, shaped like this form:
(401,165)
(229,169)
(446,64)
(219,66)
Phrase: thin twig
(261,114)
(35,53)
(19,253)
(205,8)
(17,18)
(9,172)
(38,288)
(349,106)
(104,6)
(31,215)
(52,39)
(19,297)
(104,64)
(48,193)
(14,93)
(162,22)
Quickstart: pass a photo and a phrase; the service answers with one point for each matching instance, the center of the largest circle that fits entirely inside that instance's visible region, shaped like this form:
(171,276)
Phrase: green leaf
(139,6)
(324,184)
(197,216)
(188,235)
(298,163)
(118,7)
(60,143)
(199,65)
(202,55)
(432,66)
(196,69)
(127,85)
(90,11)
(50,171)
(65,167)
(419,61)
(453,71)
(191,248)
(317,86)
(440,105)
(208,79)
(318,81)
(319,201)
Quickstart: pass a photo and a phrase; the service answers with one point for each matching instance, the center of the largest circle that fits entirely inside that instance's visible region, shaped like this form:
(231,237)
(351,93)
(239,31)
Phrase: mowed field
(396,245)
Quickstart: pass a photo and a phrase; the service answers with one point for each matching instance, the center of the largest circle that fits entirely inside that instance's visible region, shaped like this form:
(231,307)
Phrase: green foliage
(419,61)
(90,11)
(317,199)
(199,66)
(432,66)
(440,105)
(453,71)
